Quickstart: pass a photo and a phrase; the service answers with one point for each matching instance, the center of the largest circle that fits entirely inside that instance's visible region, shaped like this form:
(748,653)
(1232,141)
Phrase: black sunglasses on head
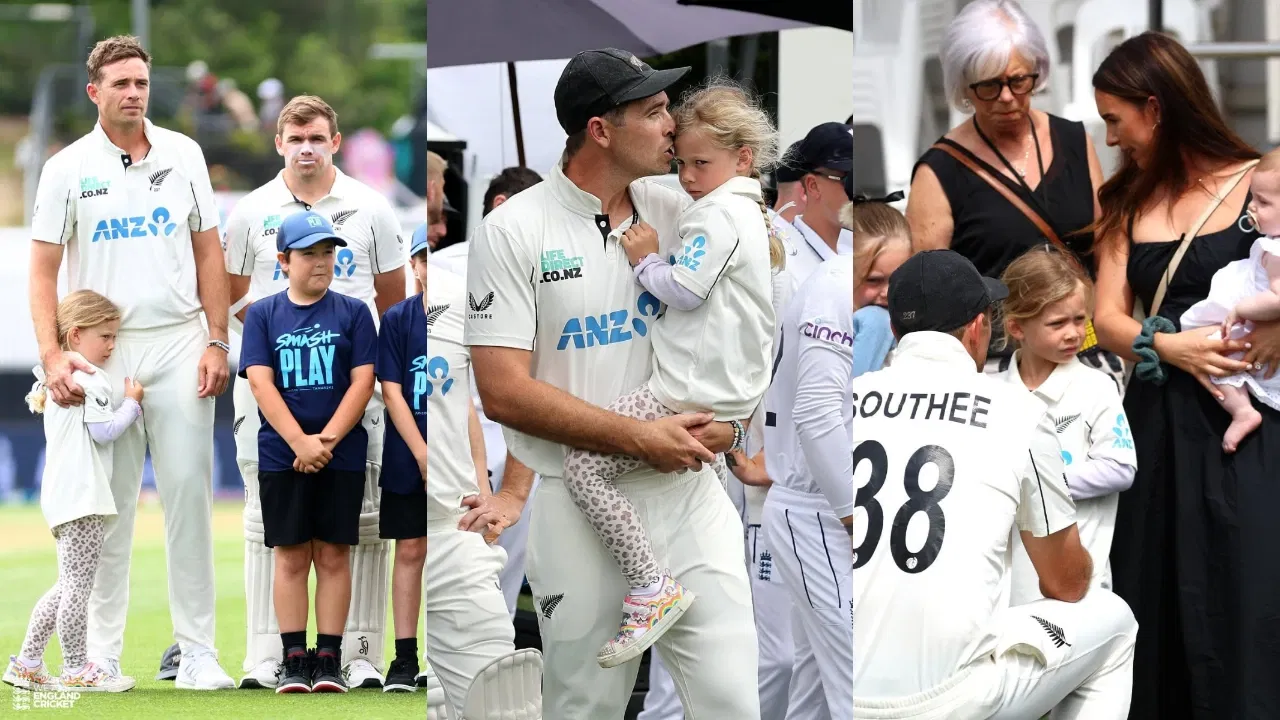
(988,90)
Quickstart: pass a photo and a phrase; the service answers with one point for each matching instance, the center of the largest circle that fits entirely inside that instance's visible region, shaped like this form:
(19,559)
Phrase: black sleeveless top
(992,233)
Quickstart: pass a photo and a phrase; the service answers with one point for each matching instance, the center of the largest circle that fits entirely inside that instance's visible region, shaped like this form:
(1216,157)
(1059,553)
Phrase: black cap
(829,145)
(789,169)
(597,81)
(939,290)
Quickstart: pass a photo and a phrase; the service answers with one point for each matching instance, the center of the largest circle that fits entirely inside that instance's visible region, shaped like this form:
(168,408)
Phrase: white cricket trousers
(773,605)
(177,427)
(364,634)
(697,534)
(815,561)
(1075,659)
(467,625)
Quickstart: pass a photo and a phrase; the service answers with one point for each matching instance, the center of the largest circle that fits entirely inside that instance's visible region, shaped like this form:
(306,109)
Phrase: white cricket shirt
(806,440)
(1088,416)
(451,471)
(360,215)
(452,258)
(77,471)
(545,273)
(947,461)
(717,356)
(812,250)
(127,226)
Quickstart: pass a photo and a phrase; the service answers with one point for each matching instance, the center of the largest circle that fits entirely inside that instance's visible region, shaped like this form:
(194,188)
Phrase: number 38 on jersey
(922,512)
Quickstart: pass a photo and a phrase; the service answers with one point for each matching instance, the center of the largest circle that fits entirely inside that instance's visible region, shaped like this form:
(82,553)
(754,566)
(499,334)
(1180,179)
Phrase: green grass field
(28,568)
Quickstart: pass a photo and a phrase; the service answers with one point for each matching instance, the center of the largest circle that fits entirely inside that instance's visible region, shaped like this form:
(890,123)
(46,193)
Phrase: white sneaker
(361,673)
(199,670)
(95,678)
(264,675)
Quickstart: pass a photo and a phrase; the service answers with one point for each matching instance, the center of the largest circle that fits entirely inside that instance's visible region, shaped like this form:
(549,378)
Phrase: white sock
(29,664)
(649,590)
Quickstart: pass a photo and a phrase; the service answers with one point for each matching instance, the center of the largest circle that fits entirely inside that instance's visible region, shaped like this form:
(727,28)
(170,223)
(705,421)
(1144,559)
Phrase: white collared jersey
(451,471)
(811,381)
(1088,415)
(360,215)
(716,357)
(812,250)
(127,226)
(545,273)
(947,461)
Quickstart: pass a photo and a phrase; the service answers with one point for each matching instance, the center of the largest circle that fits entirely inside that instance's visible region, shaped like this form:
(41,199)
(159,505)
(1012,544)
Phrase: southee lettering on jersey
(959,407)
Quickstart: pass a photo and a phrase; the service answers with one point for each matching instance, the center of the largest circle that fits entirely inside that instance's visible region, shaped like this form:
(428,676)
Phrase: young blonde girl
(712,348)
(1046,315)
(75,496)
(881,243)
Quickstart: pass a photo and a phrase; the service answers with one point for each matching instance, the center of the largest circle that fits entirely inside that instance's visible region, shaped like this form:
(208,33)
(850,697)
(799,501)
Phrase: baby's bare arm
(1265,306)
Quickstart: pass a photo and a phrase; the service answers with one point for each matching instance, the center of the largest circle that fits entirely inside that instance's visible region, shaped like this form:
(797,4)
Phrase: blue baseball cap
(418,242)
(304,229)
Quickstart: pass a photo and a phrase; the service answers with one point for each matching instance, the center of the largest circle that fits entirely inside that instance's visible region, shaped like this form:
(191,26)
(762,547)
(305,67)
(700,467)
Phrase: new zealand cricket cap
(939,290)
(597,81)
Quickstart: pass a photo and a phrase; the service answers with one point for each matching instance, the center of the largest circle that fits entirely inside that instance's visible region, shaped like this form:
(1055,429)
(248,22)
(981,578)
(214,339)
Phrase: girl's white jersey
(946,462)
(807,436)
(1088,416)
(77,470)
(451,471)
(717,356)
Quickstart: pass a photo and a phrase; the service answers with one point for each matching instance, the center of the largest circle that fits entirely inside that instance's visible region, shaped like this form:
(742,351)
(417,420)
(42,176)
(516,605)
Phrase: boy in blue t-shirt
(308,354)
(402,369)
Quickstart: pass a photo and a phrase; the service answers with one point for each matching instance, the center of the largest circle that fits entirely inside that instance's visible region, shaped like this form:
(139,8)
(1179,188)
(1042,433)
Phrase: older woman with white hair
(1010,178)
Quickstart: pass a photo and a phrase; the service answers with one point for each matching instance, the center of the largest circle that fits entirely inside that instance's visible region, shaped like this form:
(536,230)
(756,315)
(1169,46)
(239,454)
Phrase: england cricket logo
(766,566)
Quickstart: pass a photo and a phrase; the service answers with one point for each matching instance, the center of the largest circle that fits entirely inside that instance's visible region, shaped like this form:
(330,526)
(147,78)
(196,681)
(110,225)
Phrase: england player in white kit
(133,206)
(551,351)
(810,504)
(470,638)
(947,461)
(371,269)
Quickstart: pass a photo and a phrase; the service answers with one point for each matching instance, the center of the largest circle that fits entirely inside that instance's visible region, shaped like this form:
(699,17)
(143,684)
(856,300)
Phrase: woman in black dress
(1194,544)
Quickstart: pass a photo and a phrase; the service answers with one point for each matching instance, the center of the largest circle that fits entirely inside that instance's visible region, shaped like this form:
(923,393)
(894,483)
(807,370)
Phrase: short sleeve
(1109,434)
(97,398)
(54,219)
(386,252)
(708,243)
(237,248)
(391,354)
(204,209)
(364,336)
(501,306)
(255,345)
(1045,505)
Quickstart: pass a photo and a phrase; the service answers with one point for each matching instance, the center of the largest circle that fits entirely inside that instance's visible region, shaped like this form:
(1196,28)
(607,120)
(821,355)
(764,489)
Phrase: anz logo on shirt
(305,358)
(691,254)
(156,225)
(344,265)
(429,376)
(611,328)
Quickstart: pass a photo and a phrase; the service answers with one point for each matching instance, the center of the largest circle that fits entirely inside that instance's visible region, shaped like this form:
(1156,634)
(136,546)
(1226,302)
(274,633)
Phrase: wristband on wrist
(224,347)
(739,435)
(1150,368)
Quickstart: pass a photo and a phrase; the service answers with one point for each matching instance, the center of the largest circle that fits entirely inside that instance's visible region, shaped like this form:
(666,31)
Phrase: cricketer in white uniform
(133,207)
(371,269)
(1100,462)
(810,504)
(470,638)
(946,461)
(583,332)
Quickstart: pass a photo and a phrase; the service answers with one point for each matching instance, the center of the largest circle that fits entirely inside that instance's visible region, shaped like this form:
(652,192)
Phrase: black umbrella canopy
(829,13)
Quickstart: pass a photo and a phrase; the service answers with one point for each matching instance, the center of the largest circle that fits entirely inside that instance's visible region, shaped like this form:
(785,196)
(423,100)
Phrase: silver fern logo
(1055,632)
(434,312)
(549,603)
(157,178)
(1063,423)
(340,217)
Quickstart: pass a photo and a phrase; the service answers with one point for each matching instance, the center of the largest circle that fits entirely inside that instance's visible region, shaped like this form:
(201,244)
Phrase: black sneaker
(401,674)
(295,674)
(326,673)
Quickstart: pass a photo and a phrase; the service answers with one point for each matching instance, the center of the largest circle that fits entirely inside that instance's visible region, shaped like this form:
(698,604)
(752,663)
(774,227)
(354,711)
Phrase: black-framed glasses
(989,90)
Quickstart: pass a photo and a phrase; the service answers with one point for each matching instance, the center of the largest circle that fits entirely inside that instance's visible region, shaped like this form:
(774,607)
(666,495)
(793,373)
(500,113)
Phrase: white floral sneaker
(21,676)
(644,620)
(95,678)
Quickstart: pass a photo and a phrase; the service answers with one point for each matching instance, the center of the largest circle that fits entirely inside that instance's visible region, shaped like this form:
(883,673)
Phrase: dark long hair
(1155,65)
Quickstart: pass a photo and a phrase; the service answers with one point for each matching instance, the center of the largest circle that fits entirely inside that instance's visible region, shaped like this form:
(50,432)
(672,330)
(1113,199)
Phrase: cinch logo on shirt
(135,227)
(825,333)
(691,254)
(436,372)
(555,266)
(93,187)
(318,343)
(609,328)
